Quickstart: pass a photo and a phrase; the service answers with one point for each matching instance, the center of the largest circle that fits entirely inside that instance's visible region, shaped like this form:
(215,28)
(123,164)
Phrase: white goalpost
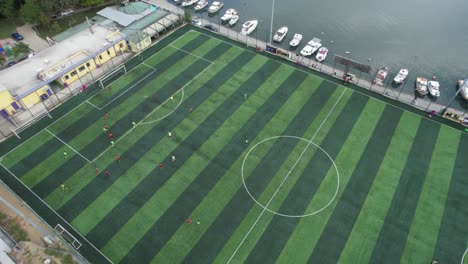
(110,77)
(67,236)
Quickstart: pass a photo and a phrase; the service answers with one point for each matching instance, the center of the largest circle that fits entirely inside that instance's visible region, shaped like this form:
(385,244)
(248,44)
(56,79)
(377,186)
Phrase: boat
(249,26)
(296,40)
(380,76)
(421,86)
(215,7)
(401,76)
(233,20)
(463,87)
(188,3)
(201,4)
(280,34)
(178,1)
(228,15)
(321,54)
(433,87)
(311,47)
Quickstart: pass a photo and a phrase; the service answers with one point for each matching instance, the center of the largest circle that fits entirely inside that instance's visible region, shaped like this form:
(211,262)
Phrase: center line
(285,178)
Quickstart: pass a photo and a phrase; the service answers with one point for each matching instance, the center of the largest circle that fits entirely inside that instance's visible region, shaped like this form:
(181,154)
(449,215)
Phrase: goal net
(110,77)
(67,236)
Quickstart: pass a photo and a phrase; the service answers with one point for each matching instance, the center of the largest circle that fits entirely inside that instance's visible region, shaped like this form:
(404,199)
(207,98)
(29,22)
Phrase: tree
(31,11)
(187,15)
(20,48)
(8,9)
(2,59)
(91,2)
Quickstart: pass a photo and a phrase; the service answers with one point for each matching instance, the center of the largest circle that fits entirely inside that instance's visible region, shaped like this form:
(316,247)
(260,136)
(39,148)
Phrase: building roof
(117,16)
(61,58)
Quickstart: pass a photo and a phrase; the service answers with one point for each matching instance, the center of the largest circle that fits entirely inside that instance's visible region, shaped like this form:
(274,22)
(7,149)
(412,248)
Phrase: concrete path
(31,38)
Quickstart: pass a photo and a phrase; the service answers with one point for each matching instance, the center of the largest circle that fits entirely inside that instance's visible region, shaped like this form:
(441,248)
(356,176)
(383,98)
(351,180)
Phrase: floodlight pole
(271,20)
(453,97)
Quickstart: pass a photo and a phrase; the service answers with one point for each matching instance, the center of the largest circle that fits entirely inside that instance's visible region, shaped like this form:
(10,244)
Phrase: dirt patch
(27,252)
(29,231)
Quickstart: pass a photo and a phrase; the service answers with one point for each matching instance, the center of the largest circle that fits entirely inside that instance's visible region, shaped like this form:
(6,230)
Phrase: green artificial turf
(398,195)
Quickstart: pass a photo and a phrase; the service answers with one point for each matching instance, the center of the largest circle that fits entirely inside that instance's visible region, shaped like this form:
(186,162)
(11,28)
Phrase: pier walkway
(363,80)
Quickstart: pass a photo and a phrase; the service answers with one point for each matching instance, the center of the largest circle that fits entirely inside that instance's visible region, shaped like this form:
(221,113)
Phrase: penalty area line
(74,150)
(190,53)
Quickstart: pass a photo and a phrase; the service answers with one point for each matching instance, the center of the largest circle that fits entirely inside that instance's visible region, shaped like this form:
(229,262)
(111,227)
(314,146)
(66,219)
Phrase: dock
(398,94)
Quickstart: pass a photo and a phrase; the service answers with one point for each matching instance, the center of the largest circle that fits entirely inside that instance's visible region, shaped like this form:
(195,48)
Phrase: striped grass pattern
(272,165)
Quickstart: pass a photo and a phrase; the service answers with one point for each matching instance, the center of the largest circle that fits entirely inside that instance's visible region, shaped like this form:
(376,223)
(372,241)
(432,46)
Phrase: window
(82,68)
(88,64)
(121,45)
(100,57)
(73,73)
(66,77)
(108,52)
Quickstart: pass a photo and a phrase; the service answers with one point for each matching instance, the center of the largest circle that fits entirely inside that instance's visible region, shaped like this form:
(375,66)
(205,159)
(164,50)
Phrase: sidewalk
(31,38)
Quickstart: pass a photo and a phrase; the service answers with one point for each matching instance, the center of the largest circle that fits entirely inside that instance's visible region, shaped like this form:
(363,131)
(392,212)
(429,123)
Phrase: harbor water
(428,38)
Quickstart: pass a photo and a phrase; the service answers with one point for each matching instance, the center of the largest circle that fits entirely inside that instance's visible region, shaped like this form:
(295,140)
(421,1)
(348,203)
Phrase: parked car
(211,27)
(17,36)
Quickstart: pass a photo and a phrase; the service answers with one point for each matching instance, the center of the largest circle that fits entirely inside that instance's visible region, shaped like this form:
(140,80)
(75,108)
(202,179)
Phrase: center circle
(309,143)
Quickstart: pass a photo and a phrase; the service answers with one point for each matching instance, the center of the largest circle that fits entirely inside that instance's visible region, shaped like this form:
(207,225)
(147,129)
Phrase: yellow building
(27,83)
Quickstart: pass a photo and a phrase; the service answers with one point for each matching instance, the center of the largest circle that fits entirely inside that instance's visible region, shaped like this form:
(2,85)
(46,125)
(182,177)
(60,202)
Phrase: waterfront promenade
(364,81)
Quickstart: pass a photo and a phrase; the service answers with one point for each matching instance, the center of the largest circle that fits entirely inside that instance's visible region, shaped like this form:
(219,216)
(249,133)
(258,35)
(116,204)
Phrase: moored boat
(201,4)
(280,34)
(421,86)
(296,40)
(463,86)
(433,87)
(228,15)
(401,76)
(249,26)
(188,3)
(215,7)
(380,76)
(311,47)
(321,54)
(233,20)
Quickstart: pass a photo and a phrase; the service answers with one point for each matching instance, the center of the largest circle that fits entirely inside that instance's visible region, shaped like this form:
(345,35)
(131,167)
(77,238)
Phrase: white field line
(463,257)
(55,212)
(338,83)
(149,66)
(58,119)
(153,121)
(93,105)
(286,177)
(74,150)
(128,89)
(139,54)
(190,53)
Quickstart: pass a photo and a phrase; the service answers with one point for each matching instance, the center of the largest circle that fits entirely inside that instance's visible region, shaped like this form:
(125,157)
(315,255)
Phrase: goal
(110,77)
(67,236)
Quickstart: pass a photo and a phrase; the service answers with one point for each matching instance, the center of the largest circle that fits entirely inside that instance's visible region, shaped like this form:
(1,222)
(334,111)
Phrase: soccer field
(277,165)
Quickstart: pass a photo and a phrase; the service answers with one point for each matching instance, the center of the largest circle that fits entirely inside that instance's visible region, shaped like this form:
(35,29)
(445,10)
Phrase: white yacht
(401,76)
(321,54)
(215,7)
(433,87)
(463,86)
(201,4)
(296,40)
(233,20)
(228,15)
(249,26)
(421,86)
(311,47)
(280,34)
(188,3)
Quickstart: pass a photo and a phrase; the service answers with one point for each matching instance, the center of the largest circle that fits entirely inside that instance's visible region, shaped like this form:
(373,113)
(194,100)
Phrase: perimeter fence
(362,79)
